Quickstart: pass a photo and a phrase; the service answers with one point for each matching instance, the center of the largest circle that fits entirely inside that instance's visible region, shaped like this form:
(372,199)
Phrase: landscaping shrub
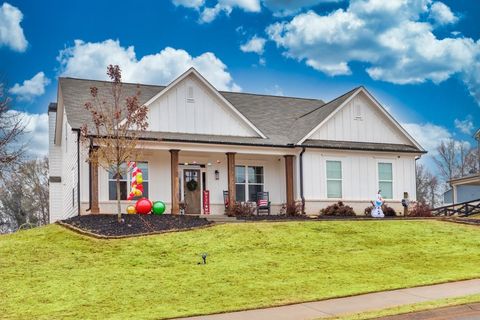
(387,211)
(293,209)
(338,209)
(241,209)
(419,209)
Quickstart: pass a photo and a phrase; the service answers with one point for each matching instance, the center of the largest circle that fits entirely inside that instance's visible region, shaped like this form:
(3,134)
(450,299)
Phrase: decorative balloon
(131,210)
(158,207)
(143,206)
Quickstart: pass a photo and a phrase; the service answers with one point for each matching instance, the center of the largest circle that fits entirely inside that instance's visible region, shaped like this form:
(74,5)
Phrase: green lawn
(52,273)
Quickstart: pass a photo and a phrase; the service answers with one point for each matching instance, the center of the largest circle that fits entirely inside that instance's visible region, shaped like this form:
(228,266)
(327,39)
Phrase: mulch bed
(107,226)
(322,218)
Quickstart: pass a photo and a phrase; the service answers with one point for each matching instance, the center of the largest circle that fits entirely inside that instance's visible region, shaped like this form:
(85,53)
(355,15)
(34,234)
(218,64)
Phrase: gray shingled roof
(283,120)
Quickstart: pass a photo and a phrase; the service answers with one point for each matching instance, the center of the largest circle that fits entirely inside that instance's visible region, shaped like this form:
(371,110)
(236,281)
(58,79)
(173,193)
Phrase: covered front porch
(193,178)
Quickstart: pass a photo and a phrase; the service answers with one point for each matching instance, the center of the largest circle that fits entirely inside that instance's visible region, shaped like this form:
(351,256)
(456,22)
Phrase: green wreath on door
(192,185)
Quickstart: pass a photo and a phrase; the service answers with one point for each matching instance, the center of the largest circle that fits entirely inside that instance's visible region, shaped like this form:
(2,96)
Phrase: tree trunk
(119,207)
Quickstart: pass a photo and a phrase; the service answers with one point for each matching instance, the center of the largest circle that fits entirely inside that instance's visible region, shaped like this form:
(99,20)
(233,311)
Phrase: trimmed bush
(420,209)
(338,209)
(241,209)
(292,210)
(387,211)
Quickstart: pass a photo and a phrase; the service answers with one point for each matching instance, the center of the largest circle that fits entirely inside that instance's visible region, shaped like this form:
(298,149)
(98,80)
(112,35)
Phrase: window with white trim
(126,181)
(249,181)
(385,179)
(334,179)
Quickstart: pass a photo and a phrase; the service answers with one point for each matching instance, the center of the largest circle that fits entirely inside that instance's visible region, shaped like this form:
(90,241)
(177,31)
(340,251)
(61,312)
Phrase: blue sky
(420,58)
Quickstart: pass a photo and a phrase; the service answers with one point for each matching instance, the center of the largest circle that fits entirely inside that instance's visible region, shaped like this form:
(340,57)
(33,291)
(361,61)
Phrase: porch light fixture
(217,175)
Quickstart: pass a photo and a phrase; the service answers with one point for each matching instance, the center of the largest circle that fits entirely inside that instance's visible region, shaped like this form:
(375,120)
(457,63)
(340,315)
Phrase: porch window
(125,182)
(249,181)
(334,179)
(385,179)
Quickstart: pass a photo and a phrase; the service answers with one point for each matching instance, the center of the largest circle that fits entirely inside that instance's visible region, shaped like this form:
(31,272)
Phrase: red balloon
(143,206)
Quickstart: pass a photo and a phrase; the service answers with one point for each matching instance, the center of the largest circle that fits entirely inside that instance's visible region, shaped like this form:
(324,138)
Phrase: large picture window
(385,179)
(249,181)
(125,182)
(334,179)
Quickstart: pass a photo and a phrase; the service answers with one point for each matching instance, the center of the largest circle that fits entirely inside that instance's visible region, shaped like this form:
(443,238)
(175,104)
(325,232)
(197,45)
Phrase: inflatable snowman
(377,211)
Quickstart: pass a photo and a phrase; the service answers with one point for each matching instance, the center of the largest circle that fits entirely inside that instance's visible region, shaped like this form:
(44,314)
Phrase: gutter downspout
(78,171)
(301,180)
(89,179)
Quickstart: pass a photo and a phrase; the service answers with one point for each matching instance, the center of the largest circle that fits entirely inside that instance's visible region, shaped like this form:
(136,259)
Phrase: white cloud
(255,44)
(441,14)
(90,60)
(36,133)
(11,33)
(30,88)
(465,126)
(276,90)
(189,3)
(428,135)
(392,39)
(209,14)
(282,8)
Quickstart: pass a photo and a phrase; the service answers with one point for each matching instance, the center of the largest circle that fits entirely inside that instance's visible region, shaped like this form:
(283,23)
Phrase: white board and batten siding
(63,163)
(191,107)
(359,120)
(359,174)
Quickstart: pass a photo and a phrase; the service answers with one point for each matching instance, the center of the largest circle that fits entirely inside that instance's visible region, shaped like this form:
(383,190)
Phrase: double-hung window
(385,179)
(334,179)
(126,181)
(249,181)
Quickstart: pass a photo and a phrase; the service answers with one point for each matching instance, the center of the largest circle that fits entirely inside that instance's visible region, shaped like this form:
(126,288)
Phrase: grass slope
(51,272)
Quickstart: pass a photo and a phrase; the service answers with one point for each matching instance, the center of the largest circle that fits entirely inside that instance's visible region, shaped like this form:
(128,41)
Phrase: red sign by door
(206,202)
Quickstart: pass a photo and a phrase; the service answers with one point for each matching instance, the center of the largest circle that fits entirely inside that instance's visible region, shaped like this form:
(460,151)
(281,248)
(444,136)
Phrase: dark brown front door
(192,191)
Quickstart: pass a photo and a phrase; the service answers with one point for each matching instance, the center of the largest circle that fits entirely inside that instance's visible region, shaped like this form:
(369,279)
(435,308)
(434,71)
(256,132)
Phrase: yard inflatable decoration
(158,207)
(143,205)
(137,180)
(377,211)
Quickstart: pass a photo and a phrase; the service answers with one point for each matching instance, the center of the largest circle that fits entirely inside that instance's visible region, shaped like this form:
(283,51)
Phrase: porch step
(219,218)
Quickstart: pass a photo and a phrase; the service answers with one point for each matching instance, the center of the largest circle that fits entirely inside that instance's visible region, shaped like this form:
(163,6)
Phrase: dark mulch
(134,224)
(273,217)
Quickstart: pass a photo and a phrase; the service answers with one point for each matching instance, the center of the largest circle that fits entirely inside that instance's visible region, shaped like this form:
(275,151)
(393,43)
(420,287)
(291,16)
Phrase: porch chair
(263,202)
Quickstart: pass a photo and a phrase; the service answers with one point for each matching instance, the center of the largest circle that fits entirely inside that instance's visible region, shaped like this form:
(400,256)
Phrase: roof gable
(190,104)
(359,117)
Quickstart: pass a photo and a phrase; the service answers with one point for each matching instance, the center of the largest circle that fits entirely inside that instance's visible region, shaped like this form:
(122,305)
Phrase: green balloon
(158,207)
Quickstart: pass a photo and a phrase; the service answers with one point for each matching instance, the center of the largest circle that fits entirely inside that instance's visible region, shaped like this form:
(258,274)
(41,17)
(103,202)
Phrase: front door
(192,191)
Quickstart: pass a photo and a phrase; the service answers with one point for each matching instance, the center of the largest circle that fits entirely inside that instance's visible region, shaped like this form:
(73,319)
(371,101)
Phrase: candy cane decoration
(137,179)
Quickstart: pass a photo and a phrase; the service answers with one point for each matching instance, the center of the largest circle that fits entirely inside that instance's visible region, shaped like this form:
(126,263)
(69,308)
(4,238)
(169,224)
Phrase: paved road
(463,312)
(357,304)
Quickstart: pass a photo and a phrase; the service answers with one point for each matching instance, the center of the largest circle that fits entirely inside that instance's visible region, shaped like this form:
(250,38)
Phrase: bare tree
(24,193)
(446,159)
(12,127)
(427,186)
(118,122)
(455,159)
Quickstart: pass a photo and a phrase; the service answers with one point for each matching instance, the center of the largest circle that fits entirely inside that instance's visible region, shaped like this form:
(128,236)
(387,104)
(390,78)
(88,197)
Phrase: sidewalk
(355,304)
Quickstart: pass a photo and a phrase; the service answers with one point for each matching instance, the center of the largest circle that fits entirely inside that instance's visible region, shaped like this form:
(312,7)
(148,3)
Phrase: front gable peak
(190,104)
